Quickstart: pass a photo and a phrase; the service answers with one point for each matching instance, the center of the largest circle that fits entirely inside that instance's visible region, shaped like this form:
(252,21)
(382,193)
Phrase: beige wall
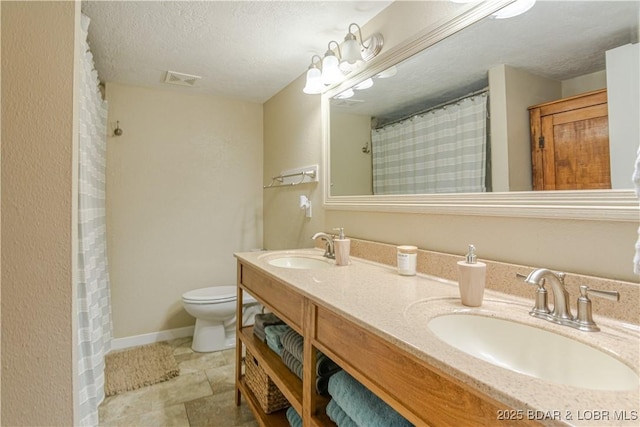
(38,153)
(512,91)
(184,192)
(350,167)
(291,132)
(600,248)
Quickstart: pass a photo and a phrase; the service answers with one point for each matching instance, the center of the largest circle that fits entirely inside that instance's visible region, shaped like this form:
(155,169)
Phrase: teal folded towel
(262,320)
(293,417)
(293,342)
(274,334)
(361,405)
(274,345)
(338,416)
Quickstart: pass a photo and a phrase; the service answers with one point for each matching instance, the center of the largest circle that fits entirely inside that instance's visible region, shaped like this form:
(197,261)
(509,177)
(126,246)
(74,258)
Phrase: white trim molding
(610,205)
(150,338)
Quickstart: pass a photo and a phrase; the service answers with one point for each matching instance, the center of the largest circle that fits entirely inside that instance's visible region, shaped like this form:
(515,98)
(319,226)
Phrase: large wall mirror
(445,123)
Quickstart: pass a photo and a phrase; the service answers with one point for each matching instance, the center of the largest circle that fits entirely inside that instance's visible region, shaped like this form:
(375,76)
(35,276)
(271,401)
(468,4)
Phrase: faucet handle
(585,291)
(541,307)
(584,319)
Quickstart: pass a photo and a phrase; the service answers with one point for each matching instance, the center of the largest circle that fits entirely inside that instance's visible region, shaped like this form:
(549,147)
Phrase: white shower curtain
(441,151)
(93,295)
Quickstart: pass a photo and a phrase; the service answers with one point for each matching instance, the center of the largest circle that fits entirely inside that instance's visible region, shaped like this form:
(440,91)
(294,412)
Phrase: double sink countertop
(398,309)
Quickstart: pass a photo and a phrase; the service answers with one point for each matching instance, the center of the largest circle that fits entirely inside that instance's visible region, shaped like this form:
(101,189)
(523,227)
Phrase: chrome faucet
(328,251)
(561,313)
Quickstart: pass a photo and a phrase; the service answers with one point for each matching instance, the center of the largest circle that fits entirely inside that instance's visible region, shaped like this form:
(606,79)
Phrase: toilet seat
(214,295)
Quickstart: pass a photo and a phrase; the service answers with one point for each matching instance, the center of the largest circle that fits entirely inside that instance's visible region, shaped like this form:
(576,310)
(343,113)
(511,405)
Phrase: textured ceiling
(248,50)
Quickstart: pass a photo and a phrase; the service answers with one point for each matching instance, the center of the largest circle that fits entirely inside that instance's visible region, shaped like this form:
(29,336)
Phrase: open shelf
(288,383)
(275,419)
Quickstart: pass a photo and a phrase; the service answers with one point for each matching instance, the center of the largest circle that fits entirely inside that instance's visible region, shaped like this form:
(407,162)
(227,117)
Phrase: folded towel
(274,345)
(262,320)
(274,334)
(292,363)
(361,405)
(260,334)
(295,366)
(325,367)
(294,419)
(294,343)
(338,416)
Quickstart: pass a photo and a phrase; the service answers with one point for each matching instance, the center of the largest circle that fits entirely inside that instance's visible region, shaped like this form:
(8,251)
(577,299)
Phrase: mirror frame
(609,205)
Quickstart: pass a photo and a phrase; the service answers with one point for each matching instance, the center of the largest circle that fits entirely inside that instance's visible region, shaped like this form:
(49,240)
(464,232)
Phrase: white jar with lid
(407,260)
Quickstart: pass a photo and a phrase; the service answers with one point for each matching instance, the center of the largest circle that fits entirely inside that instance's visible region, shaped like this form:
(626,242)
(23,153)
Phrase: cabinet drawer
(286,303)
(415,390)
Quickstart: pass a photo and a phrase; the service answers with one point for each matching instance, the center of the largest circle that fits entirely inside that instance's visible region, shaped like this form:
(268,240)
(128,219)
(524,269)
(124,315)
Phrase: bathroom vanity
(373,323)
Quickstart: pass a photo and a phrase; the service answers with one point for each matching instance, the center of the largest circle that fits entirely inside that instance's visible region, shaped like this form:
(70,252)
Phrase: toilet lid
(212,294)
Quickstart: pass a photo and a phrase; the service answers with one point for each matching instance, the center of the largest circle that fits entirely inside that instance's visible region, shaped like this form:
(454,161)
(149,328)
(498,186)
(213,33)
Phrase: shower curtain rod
(435,107)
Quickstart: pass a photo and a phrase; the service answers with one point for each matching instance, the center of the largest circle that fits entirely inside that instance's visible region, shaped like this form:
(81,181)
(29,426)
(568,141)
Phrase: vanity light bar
(332,68)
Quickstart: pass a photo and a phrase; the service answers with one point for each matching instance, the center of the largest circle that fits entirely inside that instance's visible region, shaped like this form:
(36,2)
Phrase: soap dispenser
(471,279)
(341,246)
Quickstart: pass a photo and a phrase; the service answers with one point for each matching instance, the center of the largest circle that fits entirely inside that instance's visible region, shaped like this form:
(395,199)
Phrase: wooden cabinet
(570,143)
(420,392)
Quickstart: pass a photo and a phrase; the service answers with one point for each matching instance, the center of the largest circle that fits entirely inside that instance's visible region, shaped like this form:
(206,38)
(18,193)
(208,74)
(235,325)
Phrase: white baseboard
(137,340)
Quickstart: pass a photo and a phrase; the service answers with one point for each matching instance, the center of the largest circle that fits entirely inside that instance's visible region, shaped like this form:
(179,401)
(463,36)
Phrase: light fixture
(389,72)
(330,72)
(355,53)
(314,83)
(337,62)
(516,8)
(365,84)
(346,94)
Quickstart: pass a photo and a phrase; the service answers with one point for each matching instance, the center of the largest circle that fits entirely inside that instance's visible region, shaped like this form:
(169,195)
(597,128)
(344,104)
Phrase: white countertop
(398,309)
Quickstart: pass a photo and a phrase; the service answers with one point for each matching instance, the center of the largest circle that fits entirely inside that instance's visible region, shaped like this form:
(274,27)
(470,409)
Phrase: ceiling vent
(181,79)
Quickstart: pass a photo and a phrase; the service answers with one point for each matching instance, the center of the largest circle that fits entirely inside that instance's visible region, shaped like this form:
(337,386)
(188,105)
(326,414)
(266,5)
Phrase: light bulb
(314,81)
(330,72)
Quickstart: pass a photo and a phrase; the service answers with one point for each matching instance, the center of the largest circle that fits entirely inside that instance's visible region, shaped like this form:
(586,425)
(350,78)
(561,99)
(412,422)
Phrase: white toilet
(215,311)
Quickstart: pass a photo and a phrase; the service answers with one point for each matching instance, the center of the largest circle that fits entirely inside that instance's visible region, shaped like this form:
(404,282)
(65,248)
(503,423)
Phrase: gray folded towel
(295,366)
(292,363)
(338,416)
(294,343)
(361,405)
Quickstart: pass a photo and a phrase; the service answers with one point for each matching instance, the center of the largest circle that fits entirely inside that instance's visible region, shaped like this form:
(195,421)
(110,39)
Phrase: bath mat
(139,367)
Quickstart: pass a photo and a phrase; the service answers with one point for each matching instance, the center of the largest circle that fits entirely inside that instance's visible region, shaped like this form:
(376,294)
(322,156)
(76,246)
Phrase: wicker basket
(265,391)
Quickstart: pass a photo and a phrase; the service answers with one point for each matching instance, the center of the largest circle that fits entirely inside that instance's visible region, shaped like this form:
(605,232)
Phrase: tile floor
(202,395)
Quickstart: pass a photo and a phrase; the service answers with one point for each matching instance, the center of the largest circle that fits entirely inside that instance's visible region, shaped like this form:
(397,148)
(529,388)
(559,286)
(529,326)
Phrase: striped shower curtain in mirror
(440,151)
(93,295)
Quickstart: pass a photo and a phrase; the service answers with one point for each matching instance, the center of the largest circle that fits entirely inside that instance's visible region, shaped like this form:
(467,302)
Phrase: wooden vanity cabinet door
(570,143)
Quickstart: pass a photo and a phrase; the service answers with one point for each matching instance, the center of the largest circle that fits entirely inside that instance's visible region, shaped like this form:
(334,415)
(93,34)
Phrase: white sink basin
(299,262)
(534,352)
